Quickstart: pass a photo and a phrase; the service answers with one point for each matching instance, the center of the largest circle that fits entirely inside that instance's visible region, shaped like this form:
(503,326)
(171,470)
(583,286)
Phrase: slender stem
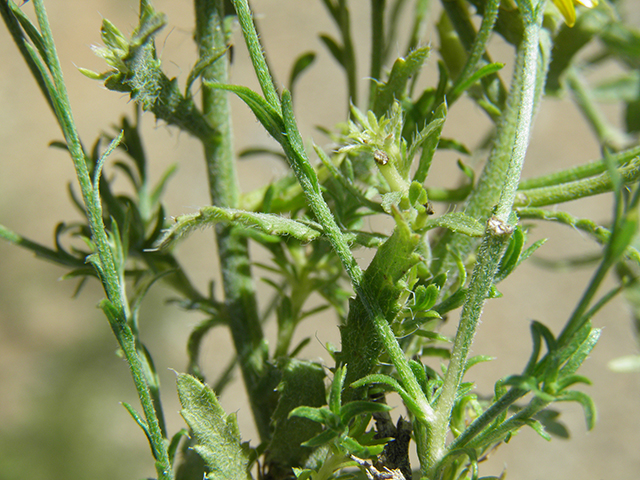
(477,50)
(495,240)
(580,172)
(240,298)
(565,192)
(349,52)
(531,50)
(495,173)
(490,414)
(109,275)
(603,129)
(490,253)
(378,45)
(255,51)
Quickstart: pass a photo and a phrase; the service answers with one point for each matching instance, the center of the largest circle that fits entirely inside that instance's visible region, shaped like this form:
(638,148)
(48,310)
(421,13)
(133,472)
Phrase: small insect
(429,210)
(380,157)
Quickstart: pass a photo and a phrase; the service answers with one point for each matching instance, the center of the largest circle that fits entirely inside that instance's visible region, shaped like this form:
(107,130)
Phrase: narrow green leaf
(580,351)
(303,62)
(309,413)
(394,88)
(217,433)
(321,439)
(430,144)
(587,405)
(625,88)
(267,223)
(457,222)
(353,409)
(138,419)
(175,442)
(478,75)
(626,364)
(336,50)
(200,66)
(335,394)
(538,428)
(393,384)
(266,114)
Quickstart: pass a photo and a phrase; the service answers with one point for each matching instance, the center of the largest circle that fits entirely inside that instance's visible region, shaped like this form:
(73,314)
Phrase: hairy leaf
(217,433)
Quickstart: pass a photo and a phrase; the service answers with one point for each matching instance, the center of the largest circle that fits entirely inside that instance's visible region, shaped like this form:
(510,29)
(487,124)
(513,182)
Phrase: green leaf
(478,75)
(511,258)
(138,419)
(336,49)
(430,144)
(394,88)
(310,413)
(302,384)
(587,405)
(266,114)
(457,222)
(303,62)
(353,409)
(625,88)
(266,223)
(175,442)
(335,394)
(217,433)
(200,66)
(538,428)
(570,41)
(393,384)
(580,351)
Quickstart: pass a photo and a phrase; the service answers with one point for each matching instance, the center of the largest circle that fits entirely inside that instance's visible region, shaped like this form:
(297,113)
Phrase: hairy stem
(105,264)
(240,299)
(496,238)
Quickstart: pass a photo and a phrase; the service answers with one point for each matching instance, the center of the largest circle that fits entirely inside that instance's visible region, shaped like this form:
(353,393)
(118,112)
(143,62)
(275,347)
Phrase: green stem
(605,132)
(580,172)
(294,149)
(255,52)
(377,47)
(107,268)
(490,414)
(539,197)
(598,232)
(240,300)
(490,253)
(349,52)
(495,173)
(478,50)
(495,240)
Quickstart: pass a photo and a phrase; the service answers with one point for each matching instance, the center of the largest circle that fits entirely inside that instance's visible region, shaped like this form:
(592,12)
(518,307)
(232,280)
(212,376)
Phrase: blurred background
(61,382)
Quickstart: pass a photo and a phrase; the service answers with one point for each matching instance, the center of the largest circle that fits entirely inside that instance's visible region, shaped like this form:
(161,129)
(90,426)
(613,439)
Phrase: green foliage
(217,433)
(312,220)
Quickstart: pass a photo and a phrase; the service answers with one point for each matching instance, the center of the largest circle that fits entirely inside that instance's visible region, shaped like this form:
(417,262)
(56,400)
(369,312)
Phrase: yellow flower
(568,10)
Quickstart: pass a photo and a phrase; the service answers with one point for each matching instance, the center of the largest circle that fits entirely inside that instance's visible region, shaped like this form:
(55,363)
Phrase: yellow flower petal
(568,10)
(588,3)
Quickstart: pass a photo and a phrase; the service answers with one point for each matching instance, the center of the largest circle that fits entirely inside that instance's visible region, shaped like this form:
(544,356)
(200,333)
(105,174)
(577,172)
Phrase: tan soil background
(60,380)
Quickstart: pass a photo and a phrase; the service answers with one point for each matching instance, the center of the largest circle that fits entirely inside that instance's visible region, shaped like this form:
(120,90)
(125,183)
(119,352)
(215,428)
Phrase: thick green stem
(497,169)
(240,300)
(495,240)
